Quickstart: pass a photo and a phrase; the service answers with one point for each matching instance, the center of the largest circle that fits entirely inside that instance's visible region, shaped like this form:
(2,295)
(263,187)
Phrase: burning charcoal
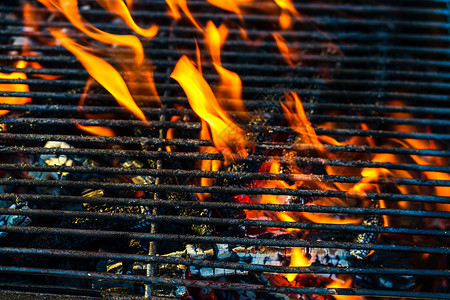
(366,237)
(250,255)
(328,256)
(15,220)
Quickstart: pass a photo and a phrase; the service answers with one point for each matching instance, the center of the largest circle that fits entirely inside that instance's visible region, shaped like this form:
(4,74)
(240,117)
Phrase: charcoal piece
(15,220)
(53,160)
(170,271)
(328,256)
(198,229)
(384,259)
(367,237)
(115,267)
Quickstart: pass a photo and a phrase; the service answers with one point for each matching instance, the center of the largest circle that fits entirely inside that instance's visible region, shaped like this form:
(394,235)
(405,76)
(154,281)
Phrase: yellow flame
(227,136)
(230,5)
(12,87)
(287,9)
(70,10)
(297,260)
(102,72)
(120,8)
(338,284)
(174,4)
(231,84)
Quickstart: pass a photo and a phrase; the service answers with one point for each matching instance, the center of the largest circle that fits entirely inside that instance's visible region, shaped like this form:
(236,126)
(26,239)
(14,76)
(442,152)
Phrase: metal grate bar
(224,190)
(227,175)
(223,221)
(222,285)
(230,205)
(219,264)
(207,156)
(220,240)
(361,108)
(373,60)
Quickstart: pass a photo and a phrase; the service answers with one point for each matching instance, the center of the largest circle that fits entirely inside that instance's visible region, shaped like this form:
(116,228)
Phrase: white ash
(328,256)
(53,160)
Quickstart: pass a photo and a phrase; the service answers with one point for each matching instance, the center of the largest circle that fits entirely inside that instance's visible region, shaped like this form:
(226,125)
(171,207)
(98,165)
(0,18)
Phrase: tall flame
(70,10)
(102,72)
(227,136)
(231,84)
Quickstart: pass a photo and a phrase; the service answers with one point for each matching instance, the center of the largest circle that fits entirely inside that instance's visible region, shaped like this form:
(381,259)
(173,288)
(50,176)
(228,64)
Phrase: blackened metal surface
(103,213)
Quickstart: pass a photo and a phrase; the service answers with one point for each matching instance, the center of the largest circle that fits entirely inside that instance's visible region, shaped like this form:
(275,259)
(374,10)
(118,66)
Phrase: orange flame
(287,9)
(297,260)
(207,165)
(230,5)
(215,38)
(102,72)
(285,51)
(12,87)
(70,9)
(231,84)
(227,136)
(96,130)
(174,4)
(120,8)
(338,284)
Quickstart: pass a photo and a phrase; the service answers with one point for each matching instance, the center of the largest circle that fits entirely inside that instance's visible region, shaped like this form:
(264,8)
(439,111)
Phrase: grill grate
(357,61)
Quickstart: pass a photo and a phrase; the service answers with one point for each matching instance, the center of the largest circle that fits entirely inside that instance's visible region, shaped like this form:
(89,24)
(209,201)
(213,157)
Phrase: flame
(287,9)
(231,84)
(102,72)
(338,284)
(227,136)
(215,38)
(96,130)
(285,51)
(12,87)
(297,260)
(174,4)
(120,8)
(207,165)
(230,5)
(70,10)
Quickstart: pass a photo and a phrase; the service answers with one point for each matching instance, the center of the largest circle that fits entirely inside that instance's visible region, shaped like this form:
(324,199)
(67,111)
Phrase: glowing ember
(227,136)
(102,72)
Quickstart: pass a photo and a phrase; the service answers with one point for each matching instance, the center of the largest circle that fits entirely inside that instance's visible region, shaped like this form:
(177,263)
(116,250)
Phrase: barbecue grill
(121,216)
